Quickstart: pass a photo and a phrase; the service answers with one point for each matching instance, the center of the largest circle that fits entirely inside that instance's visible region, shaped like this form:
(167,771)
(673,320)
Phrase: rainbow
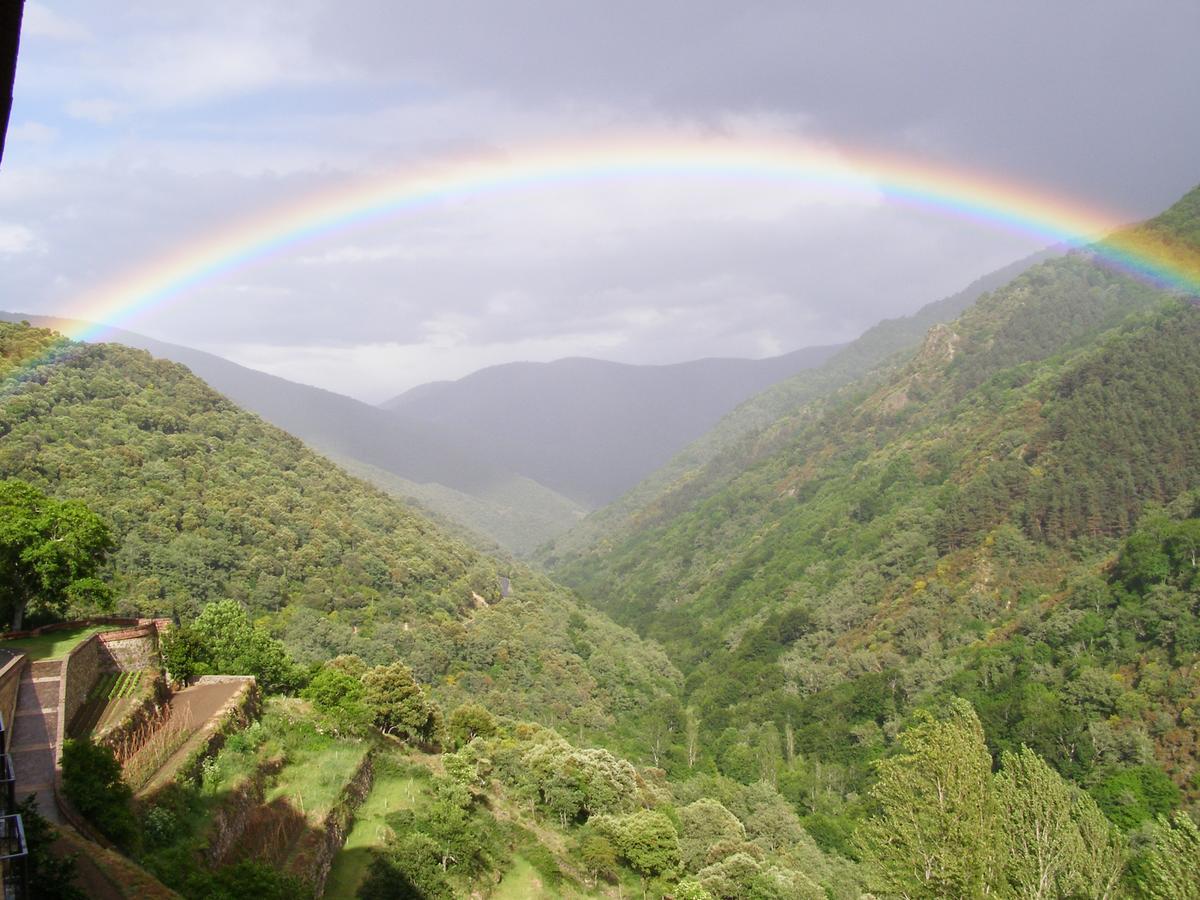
(971,195)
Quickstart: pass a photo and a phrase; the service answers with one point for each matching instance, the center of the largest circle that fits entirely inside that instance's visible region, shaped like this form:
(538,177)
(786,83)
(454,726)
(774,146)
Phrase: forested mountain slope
(764,423)
(209,502)
(590,428)
(917,517)
(408,458)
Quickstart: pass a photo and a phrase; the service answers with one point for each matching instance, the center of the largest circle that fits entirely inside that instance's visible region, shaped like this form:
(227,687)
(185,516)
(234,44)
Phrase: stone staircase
(34,745)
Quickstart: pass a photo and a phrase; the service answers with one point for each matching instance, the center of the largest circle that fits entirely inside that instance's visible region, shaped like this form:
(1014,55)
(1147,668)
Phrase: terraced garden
(398,785)
(53,644)
(111,698)
(263,798)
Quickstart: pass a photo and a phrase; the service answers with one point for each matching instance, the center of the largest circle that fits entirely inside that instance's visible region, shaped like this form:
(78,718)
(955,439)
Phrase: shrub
(92,782)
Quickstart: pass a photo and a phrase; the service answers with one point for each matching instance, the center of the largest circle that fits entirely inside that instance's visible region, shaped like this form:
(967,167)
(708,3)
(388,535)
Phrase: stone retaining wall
(81,669)
(10,684)
(229,822)
(132,649)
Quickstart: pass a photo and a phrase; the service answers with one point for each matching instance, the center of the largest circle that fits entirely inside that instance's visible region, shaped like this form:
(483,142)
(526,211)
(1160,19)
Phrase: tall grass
(144,750)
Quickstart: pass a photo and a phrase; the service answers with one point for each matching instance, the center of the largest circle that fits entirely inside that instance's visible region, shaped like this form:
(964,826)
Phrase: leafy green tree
(92,782)
(468,722)
(1135,795)
(691,889)
(647,841)
(50,552)
(598,856)
(399,705)
(408,870)
(938,834)
(340,695)
(1171,868)
(223,641)
(704,824)
(1058,842)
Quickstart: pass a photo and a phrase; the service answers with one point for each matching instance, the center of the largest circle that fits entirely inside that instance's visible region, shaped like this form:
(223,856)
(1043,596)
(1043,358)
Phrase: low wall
(229,823)
(10,684)
(160,624)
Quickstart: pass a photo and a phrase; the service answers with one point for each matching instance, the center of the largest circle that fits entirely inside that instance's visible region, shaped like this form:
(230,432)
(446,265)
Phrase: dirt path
(194,705)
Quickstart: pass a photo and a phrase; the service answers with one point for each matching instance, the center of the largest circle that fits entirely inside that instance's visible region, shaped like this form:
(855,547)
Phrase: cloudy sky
(145,125)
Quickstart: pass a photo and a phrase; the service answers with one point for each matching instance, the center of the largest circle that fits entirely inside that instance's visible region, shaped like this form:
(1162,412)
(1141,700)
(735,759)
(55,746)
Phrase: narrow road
(34,744)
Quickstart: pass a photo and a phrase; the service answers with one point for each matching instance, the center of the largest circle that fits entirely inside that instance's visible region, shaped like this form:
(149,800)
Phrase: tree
(340,695)
(408,870)
(223,641)
(468,722)
(92,782)
(399,704)
(938,834)
(1058,841)
(1170,869)
(598,856)
(50,552)
(704,824)
(646,840)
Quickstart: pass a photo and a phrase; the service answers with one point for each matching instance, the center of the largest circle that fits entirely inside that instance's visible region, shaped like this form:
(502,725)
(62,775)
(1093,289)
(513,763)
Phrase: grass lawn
(54,644)
(397,786)
(522,881)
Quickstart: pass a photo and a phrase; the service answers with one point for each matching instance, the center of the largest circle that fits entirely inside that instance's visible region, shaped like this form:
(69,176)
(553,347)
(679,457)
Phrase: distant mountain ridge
(591,429)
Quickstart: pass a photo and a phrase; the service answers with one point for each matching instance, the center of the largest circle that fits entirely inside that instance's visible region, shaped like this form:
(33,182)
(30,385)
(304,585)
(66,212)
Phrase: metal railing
(14,858)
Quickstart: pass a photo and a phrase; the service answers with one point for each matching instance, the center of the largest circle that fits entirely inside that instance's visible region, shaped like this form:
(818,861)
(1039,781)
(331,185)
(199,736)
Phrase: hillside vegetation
(764,424)
(207,502)
(934,510)
(455,478)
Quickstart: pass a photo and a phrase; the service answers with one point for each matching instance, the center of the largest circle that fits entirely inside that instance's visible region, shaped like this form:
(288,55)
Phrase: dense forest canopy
(206,502)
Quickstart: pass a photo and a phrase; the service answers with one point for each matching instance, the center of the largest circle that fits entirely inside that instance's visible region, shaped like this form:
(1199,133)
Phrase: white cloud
(97,110)
(17,239)
(42,22)
(32,133)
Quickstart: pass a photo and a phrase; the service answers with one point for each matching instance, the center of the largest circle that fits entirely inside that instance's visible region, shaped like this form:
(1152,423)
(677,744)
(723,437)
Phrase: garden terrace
(278,792)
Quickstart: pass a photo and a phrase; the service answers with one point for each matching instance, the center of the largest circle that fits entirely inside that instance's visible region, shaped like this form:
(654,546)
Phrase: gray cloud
(123,148)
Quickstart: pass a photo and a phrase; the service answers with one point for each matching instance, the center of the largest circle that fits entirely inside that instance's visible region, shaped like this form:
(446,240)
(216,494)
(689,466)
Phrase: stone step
(44,668)
(30,731)
(38,695)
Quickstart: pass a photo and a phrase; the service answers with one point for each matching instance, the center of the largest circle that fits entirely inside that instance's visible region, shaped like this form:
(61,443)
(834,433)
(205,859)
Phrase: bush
(92,782)
(223,641)
(410,870)
(54,876)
